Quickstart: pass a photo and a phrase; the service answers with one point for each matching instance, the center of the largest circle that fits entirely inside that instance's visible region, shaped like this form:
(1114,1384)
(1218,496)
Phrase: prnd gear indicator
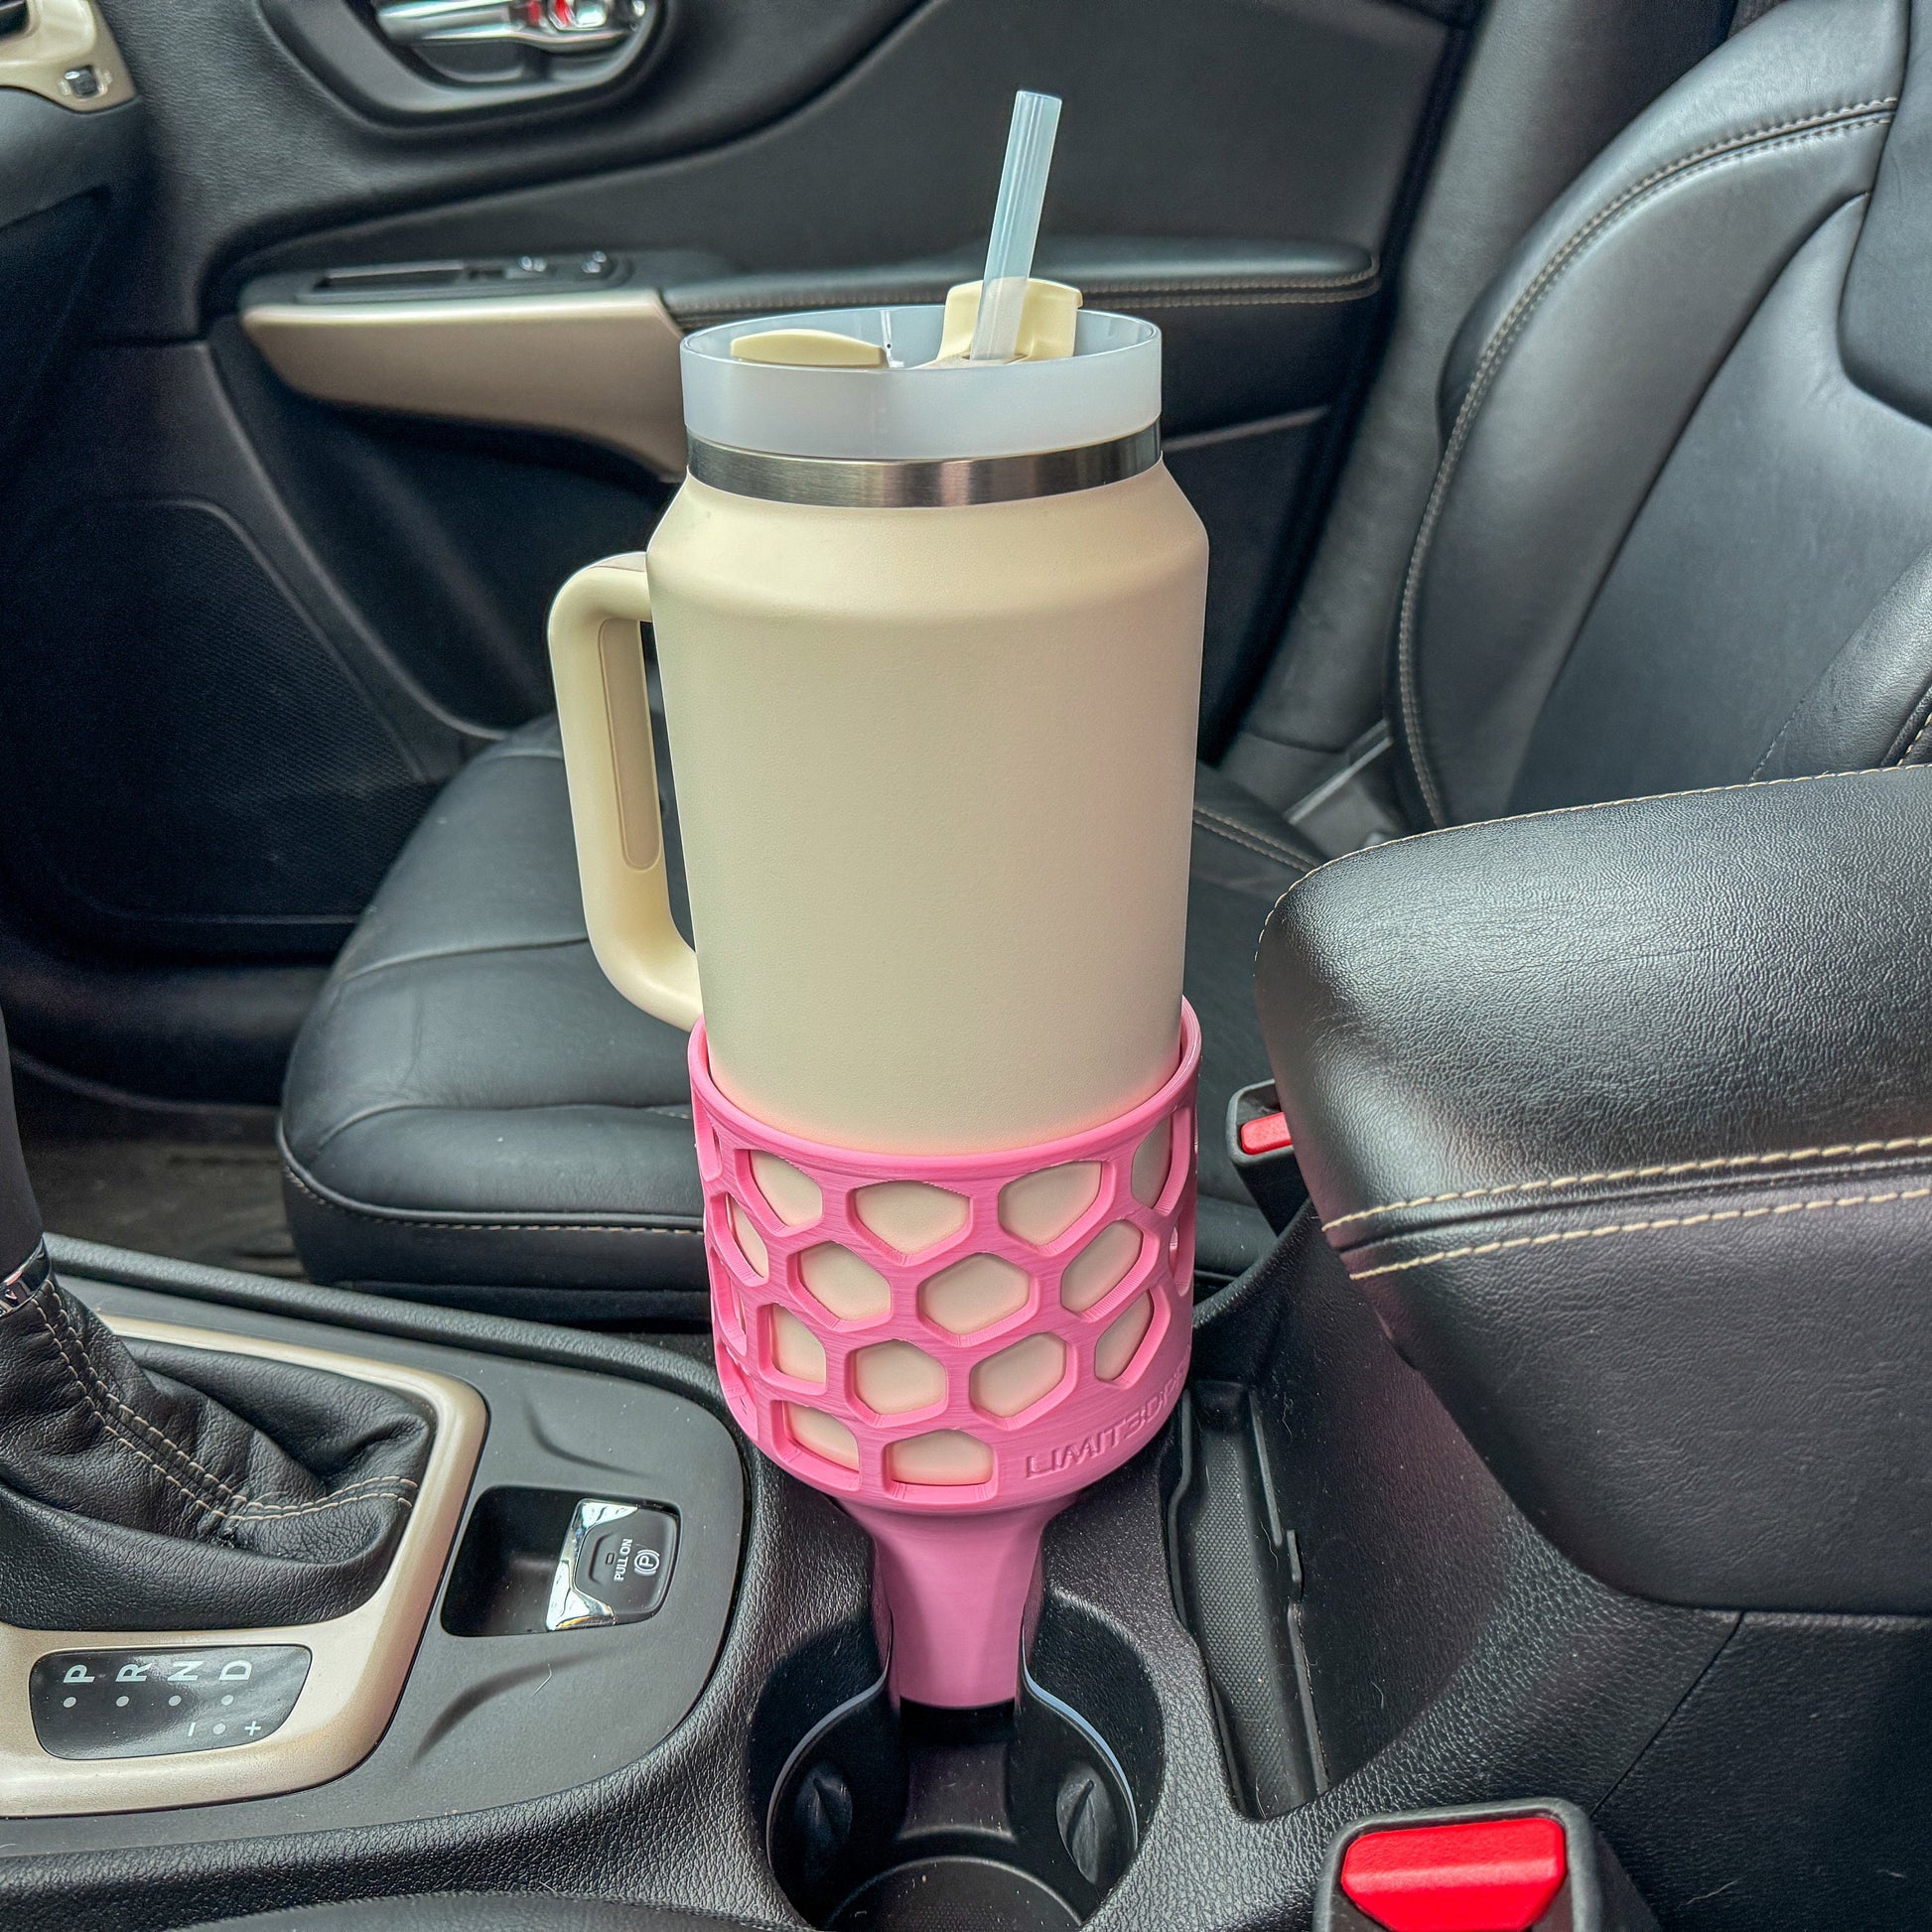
(156,1703)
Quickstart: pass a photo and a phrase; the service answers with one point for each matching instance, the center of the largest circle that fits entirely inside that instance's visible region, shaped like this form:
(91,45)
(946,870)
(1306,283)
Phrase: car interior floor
(198,1184)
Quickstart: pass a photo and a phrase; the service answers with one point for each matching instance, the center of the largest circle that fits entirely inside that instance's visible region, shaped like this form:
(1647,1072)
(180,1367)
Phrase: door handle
(449,61)
(479,42)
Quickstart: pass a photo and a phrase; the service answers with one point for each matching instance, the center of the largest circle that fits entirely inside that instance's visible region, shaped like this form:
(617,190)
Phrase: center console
(1190,1743)
(553,1607)
(733,1750)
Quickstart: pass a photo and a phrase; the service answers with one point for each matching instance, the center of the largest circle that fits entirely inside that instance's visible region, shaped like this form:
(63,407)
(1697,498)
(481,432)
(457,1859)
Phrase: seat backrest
(1681,533)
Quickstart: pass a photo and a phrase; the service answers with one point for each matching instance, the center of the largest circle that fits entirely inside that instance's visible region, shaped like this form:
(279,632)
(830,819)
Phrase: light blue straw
(1016,226)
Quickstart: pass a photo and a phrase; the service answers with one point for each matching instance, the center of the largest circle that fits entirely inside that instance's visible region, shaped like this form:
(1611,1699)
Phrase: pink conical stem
(957,1589)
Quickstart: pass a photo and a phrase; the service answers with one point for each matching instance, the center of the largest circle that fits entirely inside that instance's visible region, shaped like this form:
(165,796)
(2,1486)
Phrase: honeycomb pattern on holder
(951,1332)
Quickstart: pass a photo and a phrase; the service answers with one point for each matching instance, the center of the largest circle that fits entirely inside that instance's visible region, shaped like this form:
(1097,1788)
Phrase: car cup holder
(1020,1817)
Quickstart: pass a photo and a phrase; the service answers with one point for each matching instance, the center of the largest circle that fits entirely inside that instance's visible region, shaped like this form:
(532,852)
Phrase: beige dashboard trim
(359,1661)
(601,364)
(59,35)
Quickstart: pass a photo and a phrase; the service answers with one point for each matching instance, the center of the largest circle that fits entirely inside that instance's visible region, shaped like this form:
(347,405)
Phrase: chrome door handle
(486,43)
(424,62)
(550,26)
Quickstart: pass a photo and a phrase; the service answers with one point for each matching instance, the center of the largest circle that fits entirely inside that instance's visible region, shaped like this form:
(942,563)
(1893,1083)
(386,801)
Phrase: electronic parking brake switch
(615,1566)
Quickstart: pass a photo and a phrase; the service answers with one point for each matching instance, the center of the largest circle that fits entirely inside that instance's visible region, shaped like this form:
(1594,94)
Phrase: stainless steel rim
(851,482)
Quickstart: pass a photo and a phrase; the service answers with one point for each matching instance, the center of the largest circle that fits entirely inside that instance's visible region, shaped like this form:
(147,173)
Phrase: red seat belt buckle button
(1266,1134)
(1489,1875)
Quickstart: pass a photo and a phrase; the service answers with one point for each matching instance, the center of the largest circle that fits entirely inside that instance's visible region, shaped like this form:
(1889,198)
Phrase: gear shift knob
(135,1490)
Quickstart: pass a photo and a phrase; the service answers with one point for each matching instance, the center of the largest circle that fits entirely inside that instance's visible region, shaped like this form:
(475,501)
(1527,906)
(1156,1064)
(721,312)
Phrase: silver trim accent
(571,1606)
(447,23)
(26,1281)
(853,482)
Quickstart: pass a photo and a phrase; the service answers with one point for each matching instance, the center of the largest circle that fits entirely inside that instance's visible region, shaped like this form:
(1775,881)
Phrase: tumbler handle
(604,708)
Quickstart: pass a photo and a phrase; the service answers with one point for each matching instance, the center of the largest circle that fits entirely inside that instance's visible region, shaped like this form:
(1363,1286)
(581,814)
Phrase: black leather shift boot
(188,1489)
(145,1487)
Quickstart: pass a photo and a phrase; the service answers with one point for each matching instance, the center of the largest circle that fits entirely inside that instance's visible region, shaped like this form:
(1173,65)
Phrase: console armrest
(1621,1118)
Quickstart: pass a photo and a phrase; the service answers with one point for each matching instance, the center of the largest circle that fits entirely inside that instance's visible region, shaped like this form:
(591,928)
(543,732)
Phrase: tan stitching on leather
(1234,836)
(380,1488)
(1918,738)
(1711,1218)
(346,1492)
(1823,122)
(1784,732)
(107,1422)
(403,1219)
(1239,834)
(341,1499)
(251,1510)
(250,1504)
(1664,1170)
(99,1383)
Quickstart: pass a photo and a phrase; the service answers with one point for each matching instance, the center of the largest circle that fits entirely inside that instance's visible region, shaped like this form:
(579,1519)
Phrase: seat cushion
(473,1114)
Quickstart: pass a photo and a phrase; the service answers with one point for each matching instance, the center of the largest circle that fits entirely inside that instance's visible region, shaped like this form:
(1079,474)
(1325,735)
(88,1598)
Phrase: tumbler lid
(1108,390)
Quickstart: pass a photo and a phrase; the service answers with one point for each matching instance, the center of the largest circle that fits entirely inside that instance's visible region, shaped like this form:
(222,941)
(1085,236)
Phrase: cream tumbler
(930,649)
(929,639)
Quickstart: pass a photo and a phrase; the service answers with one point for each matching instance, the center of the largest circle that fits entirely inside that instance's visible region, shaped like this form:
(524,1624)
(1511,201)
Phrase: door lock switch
(615,1566)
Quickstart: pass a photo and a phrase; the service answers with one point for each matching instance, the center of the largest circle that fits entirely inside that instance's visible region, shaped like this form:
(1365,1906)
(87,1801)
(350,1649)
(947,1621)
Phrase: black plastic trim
(49,154)
(467,1732)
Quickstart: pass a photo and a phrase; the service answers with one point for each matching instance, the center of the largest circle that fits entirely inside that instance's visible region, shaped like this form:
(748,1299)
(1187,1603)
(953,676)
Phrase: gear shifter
(153,1487)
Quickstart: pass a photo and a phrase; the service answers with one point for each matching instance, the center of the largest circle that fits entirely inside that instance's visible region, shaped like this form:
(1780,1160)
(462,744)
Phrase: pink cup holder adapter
(953,1345)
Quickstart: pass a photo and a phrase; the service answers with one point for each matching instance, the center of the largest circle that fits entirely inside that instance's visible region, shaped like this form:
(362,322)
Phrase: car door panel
(239,751)
(254,149)
(68,171)
(1226,119)
(319,604)
(1259,337)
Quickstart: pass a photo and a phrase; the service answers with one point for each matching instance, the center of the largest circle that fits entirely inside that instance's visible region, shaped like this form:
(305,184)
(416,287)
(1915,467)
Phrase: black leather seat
(1679,533)
(1679,536)
(472,1109)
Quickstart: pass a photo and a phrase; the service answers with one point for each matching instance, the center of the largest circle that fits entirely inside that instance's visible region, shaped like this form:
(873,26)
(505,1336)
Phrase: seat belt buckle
(1535,1865)
(1261,1146)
